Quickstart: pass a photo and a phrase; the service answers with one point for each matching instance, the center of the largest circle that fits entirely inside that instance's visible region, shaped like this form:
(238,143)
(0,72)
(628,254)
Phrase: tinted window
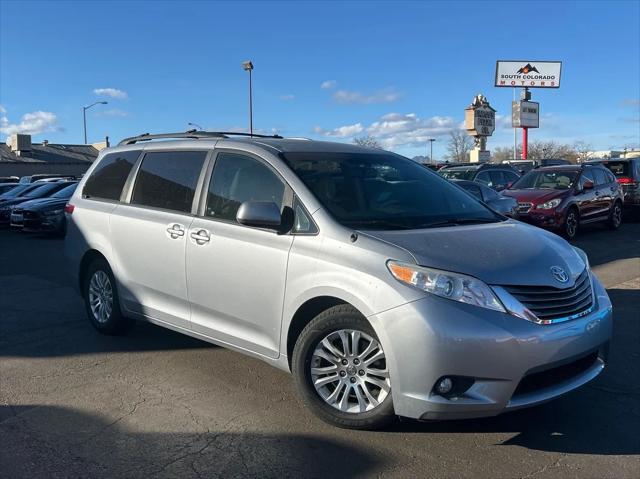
(600,177)
(302,222)
(65,192)
(510,176)
(551,179)
(44,190)
(238,178)
(483,177)
(610,177)
(108,178)
(17,191)
(457,174)
(384,191)
(497,179)
(473,189)
(619,168)
(586,176)
(168,179)
(489,194)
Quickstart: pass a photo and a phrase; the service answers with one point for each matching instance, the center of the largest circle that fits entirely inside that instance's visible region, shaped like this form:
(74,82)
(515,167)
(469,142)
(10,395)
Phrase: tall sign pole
(480,122)
(525,114)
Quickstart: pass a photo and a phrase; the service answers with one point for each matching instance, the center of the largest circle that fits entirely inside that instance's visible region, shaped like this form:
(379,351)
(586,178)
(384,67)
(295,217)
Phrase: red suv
(561,198)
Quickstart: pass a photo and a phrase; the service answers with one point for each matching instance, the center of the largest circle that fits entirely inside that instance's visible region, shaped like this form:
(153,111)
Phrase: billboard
(480,120)
(525,114)
(528,73)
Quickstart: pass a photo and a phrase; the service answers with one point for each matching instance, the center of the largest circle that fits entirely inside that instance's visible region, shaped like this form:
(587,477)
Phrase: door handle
(200,236)
(175,230)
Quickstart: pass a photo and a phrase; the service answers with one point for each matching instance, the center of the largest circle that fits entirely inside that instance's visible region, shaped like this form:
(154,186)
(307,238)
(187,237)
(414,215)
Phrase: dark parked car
(43,215)
(561,198)
(45,176)
(497,177)
(18,190)
(627,173)
(41,190)
(4,187)
(495,200)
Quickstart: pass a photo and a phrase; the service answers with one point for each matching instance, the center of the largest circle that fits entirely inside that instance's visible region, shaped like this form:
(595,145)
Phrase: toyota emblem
(559,274)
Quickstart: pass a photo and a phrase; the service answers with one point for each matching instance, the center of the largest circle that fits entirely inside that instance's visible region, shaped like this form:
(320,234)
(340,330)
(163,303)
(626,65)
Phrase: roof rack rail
(190,134)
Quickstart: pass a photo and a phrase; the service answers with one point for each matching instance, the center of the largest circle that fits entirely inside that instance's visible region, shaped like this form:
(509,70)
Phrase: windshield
(65,192)
(384,191)
(15,192)
(457,174)
(552,180)
(41,191)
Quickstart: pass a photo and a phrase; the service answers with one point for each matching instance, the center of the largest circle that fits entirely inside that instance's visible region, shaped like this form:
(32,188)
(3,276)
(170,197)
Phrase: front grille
(31,215)
(549,303)
(524,207)
(554,376)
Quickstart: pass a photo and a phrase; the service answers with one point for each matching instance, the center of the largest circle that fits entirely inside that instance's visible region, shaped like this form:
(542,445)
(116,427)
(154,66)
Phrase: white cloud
(341,132)
(2,109)
(32,123)
(328,84)
(399,129)
(383,96)
(111,92)
(111,112)
(288,97)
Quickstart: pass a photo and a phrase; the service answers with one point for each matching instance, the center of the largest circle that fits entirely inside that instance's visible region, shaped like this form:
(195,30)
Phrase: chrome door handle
(175,231)
(200,236)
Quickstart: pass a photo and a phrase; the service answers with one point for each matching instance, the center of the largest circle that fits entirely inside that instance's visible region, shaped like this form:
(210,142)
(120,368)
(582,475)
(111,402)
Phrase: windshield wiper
(374,223)
(459,221)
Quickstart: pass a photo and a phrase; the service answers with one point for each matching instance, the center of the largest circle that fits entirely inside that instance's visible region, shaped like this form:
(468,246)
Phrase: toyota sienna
(383,288)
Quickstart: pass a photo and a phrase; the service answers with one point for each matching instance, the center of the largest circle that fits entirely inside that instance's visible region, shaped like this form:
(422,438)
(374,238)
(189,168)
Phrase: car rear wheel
(571,223)
(341,372)
(101,300)
(615,218)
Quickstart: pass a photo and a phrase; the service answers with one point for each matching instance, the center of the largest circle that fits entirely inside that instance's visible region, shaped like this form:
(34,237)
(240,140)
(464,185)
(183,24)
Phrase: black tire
(113,323)
(571,223)
(615,218)
(335,319)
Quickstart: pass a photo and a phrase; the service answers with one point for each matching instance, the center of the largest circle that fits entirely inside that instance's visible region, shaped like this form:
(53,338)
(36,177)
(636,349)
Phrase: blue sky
(401,71)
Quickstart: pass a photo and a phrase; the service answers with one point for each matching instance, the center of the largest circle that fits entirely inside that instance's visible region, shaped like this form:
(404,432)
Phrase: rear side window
(168,180)
(586,176)
(108,178)
(600,177)
(474,190)
(483,177)
(238,178)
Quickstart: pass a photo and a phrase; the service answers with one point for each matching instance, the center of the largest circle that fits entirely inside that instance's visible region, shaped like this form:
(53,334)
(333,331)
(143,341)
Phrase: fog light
(444,386)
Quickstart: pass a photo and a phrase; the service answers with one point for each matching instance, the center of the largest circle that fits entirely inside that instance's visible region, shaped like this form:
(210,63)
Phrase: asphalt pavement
(159,404)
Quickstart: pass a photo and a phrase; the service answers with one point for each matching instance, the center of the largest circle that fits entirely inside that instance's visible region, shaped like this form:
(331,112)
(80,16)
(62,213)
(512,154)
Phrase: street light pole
(84,116)
(248,66)
(431,140)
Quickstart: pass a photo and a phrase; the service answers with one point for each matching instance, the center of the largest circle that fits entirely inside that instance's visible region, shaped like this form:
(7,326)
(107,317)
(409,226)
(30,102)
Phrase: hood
(14,201)
(536,195)
(504,253)
(44,204)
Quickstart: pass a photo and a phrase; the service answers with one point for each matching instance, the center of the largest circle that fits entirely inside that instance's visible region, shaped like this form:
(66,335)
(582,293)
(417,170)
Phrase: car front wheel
(615,219)
(340,369)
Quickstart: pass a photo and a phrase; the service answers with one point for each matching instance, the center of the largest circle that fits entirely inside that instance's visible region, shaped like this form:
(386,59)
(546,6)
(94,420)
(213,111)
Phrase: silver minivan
(386,290)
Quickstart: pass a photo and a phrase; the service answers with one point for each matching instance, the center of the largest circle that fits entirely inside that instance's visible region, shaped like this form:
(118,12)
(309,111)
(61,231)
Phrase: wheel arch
(88,258)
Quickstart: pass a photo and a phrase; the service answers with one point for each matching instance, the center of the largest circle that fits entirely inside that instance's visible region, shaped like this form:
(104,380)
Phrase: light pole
(431,140)
(84,116)
(196,125)
(248,66)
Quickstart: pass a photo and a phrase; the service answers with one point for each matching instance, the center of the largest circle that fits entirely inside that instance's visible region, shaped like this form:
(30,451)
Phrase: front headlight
(454,286)
(549,205)
(583,256)
(53,212)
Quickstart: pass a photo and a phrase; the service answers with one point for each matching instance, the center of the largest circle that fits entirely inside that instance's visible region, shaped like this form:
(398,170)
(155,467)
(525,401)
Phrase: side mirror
(260,214)
(588,185)
(509,185)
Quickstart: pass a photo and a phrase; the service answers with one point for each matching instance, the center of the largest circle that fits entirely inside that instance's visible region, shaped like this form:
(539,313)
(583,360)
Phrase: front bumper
(433,337)
(548,219)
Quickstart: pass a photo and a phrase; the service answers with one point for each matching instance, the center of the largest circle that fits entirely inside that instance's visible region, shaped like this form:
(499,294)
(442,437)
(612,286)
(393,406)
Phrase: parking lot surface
(159,404)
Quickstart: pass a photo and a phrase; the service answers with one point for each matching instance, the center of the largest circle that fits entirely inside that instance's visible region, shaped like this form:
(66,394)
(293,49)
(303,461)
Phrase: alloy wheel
(101,296)
(349,371)
(572,224)
(617,215)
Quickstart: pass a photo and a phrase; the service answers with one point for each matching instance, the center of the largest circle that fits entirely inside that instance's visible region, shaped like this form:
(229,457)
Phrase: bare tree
(459,146)
(368,141)
(582,150)
(502,153)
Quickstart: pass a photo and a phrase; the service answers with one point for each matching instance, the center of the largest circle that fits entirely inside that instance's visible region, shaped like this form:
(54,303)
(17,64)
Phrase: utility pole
(84,116)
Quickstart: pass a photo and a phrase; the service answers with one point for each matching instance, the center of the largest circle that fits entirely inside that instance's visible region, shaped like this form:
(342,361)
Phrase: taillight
(69,208)
(626,181)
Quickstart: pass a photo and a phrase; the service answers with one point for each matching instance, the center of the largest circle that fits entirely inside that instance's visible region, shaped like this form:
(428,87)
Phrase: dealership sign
(480,120)
(528,74)
(525,114)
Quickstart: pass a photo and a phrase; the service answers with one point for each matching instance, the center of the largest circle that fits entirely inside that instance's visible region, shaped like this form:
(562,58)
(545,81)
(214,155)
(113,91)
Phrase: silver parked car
(383,288)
